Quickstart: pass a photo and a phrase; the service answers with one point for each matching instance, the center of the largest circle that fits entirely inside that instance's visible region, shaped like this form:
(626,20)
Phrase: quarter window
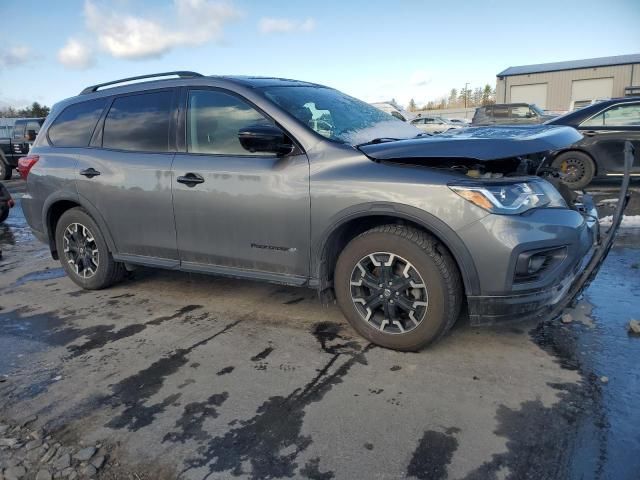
(75,125)
(618,116)
(139,123)
(213,121)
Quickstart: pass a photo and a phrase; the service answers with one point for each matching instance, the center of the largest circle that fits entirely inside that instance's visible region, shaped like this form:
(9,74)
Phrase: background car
(434,124)
(605,126)
(394,109)
(509,114)
(23,135)
(463,122)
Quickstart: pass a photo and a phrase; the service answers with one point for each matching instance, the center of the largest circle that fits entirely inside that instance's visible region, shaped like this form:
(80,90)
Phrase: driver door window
(213,121)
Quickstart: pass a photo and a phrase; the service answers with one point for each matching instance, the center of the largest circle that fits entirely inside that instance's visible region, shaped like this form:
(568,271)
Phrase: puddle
(40,275)
(15,229)
(603,417)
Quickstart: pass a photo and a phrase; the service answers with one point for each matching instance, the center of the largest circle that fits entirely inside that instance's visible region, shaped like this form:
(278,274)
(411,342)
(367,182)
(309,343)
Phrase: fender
(82,202)
(432,224)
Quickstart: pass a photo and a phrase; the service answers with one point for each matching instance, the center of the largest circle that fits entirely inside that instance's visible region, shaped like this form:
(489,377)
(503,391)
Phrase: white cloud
(16,55)
(128,36)
(285,25)
(76,54)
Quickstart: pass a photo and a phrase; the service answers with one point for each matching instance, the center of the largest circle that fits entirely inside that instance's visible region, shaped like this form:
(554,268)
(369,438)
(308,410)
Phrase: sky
(373,50)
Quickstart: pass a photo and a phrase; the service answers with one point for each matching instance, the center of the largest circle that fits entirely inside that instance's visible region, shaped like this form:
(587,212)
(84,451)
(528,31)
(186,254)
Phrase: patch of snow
(628,221)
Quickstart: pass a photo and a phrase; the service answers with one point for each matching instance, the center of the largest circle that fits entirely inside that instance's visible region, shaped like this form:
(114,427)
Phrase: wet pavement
(187,376)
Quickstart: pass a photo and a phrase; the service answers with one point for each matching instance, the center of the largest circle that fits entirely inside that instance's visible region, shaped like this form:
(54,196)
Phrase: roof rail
(181,74)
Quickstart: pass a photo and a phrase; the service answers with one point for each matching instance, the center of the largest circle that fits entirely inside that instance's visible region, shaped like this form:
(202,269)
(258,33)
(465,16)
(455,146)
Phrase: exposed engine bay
(535,164)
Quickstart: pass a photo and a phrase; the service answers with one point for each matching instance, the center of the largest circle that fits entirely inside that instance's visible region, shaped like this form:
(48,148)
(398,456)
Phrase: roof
(251,81)
(571,65)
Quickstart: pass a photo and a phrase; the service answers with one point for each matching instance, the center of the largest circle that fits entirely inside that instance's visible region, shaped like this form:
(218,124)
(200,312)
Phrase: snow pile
(628,221)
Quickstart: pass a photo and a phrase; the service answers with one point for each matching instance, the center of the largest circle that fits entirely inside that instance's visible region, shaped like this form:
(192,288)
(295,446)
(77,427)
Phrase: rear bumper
(549,302)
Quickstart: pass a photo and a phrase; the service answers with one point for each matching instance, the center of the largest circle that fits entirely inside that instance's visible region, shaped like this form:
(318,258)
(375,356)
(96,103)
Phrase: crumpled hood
(479,143)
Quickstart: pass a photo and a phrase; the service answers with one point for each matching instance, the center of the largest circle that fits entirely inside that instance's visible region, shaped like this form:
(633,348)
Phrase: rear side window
(500,112)
(139,123)
(18,131)
(75,125)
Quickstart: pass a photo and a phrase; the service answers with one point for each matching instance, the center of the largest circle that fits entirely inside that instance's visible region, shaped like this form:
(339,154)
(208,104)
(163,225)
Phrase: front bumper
(549,302)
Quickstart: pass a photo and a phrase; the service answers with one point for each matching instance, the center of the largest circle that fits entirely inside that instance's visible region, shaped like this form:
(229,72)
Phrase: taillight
(25,164)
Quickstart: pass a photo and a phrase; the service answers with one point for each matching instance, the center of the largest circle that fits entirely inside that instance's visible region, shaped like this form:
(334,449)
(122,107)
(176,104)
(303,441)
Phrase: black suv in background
(12,148)
(604,126)
(509,114)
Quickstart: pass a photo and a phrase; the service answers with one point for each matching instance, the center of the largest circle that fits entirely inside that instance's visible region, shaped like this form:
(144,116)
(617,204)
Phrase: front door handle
(89,172)
(191,179)
(589,133)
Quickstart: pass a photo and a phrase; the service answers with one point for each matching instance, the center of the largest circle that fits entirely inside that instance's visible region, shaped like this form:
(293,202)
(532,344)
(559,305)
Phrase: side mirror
(265,138)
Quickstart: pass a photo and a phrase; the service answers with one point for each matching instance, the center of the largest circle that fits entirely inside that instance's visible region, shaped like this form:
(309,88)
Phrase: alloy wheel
(388,292)
(81,250)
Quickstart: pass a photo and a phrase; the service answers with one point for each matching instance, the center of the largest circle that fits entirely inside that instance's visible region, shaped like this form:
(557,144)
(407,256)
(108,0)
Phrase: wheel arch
(55,207)
(353,223)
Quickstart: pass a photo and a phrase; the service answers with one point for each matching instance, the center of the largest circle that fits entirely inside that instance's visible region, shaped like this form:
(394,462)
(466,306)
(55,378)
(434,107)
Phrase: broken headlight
(510,198)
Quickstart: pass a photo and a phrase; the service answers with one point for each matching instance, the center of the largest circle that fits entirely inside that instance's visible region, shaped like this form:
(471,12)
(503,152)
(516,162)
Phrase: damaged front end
(568,246)
(485,153)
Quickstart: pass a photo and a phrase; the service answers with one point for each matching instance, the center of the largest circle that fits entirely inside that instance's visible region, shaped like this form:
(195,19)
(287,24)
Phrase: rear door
(126,176)
(248,211)
(606,132)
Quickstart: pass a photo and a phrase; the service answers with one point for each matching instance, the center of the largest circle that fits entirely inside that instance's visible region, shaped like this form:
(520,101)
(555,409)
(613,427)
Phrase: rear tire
(83,251)
(6,172)
(419,316)
(578,167)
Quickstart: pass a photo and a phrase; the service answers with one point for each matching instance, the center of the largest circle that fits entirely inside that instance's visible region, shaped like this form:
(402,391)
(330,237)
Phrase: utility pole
(465,95)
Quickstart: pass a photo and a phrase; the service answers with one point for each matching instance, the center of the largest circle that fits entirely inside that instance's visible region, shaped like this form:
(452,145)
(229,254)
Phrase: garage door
(584,91)
(535,93)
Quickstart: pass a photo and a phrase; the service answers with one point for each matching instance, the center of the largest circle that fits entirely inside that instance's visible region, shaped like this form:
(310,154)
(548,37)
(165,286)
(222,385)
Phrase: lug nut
(390,283)
(381,285)
(397,294)
(390,301)
(380,296)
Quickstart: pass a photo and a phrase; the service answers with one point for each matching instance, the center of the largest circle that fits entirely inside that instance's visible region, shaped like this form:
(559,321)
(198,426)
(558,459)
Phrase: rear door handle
(89,172)
(191,179)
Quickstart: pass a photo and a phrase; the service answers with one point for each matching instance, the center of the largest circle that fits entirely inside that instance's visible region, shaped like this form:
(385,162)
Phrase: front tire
(398,287)
(578,168)
(83,251)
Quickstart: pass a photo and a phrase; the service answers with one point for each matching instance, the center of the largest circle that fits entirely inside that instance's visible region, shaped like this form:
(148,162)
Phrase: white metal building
(562,86)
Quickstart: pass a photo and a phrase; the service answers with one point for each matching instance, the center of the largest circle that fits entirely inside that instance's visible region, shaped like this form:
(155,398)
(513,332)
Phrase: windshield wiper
(378,140)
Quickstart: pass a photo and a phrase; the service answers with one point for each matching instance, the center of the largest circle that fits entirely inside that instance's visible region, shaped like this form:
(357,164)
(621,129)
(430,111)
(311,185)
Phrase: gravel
(28,453)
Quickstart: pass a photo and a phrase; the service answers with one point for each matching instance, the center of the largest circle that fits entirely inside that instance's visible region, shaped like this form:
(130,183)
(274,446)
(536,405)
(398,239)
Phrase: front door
(236,210)
(128,180)
(606,132)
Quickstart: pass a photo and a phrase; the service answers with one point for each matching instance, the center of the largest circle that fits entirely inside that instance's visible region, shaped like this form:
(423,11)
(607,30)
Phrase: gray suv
(299,184)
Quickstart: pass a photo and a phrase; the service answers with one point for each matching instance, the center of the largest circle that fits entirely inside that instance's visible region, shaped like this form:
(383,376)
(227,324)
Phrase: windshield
(337,116)
(537,109)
